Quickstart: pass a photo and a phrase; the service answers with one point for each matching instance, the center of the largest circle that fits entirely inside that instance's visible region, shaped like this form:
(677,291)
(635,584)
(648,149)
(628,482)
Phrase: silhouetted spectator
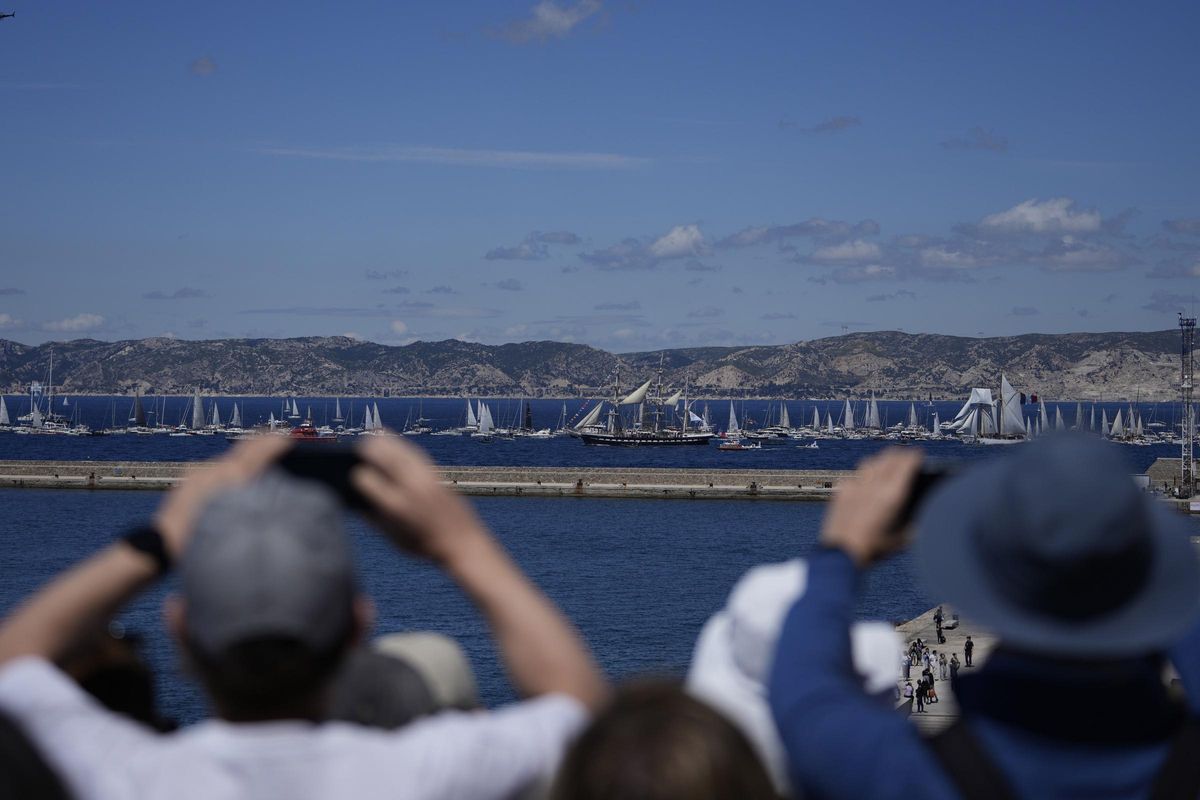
(1087,582)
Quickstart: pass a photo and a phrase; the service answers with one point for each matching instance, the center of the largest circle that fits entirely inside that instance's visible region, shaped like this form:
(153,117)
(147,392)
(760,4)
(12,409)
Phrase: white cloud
(548,20)
(944,257)
(679,242)
(1071,255)
(8,321)
(75,324)
(682,241)
(353,335)
(399,327)
(856,250)
(860,274)
(450,156)
(1056,215)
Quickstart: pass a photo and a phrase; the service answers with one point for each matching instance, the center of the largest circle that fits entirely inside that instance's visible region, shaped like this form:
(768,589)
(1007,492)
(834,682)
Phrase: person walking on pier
(954,665)
(906,662)
(942,665)
(1092,589)
(968,649)
(268,609)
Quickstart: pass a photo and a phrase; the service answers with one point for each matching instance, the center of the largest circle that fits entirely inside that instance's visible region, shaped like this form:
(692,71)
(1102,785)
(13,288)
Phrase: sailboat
(295,412)
(5,422)
(984,421)
(337,410)
(734,430)
(486,425)
(651,432)
(872,421)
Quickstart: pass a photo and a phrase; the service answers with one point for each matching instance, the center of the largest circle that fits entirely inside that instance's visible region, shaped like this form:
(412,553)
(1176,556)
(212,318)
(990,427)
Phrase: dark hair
(379,691)
(654,742)
(268,677)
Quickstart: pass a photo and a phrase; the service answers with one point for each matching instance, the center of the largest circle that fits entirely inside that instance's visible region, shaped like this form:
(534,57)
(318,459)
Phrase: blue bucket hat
(1057,551)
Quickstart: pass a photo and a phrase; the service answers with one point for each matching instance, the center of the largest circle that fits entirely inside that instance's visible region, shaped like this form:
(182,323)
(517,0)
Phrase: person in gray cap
(267,610)
(1090,585)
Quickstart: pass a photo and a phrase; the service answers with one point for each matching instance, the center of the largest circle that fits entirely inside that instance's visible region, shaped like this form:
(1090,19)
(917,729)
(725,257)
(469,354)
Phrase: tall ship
(984,420)
(648,427)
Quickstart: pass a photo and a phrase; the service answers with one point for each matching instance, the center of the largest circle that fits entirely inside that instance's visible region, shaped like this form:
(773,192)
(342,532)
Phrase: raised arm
(840,742)
(51,621)
(542,651)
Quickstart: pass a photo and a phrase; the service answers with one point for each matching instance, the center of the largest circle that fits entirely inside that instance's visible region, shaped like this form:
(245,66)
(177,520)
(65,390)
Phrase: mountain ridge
(1119,365)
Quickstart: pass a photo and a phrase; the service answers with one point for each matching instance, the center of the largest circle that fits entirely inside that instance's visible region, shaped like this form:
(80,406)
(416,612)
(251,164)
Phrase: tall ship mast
(650,429)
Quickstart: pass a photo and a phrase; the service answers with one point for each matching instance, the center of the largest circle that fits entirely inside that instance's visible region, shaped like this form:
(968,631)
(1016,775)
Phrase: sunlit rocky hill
(1083,366)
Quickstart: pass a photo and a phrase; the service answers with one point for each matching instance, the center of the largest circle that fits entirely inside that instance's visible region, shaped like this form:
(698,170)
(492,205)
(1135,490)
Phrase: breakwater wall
(662,483)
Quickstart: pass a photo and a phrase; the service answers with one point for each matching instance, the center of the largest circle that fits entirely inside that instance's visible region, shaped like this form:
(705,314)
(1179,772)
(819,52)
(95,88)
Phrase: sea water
(638,577)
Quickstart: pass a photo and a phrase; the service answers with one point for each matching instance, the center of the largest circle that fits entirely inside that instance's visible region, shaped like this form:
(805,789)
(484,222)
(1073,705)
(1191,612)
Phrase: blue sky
(632,175)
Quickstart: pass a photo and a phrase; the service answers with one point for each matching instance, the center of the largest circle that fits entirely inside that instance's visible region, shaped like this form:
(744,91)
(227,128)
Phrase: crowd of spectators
(1091,587)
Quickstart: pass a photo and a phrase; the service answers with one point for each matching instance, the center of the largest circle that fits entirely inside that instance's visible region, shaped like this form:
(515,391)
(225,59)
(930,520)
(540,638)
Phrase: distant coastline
(1086,367)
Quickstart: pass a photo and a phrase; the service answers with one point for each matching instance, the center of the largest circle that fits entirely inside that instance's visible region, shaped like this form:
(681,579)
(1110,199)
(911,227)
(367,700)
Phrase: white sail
(35,417)
(337,410)
(375,413)
(673,399)
(848,417)
(1043,417)
(1011,421)
(4,420)
(637,395)
(784,421)
(1118,426)
(1078,426)
(816,419)
(368,420)
(216,415)
(975,417)
(295,408)
(592,417)
(873,415)
(1103,422)
(236,419)
(1059,425)
(733,429)
(936,424)
(1137,426)
(912,416)
(829,422)
(1092,424)
(485,419)
(271,423)
(197,411)
(472,420)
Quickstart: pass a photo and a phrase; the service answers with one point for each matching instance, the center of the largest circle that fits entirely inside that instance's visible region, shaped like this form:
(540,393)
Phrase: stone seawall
(500,481)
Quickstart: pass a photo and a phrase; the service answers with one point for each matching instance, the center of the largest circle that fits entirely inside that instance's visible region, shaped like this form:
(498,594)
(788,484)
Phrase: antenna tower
(1187,330)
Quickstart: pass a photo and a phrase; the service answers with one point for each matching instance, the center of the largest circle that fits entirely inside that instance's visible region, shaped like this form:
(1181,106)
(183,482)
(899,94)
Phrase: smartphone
(928,478)
(329,464)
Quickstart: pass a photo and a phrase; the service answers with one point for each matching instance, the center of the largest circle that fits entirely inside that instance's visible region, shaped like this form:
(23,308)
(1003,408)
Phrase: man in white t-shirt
(268,607)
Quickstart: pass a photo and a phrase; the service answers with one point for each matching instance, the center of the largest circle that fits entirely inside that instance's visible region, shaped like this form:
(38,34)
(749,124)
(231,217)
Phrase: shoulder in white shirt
(104,756)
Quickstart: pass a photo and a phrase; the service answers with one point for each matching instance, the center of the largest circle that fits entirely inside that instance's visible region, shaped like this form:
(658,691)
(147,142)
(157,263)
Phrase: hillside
(1112,366)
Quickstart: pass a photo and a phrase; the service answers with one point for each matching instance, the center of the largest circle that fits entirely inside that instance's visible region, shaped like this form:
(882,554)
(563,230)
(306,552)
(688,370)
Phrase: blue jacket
(1055,730)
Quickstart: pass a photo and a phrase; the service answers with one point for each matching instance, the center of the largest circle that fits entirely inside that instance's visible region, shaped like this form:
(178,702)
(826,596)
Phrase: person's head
(401,677)
(1057,551)
(268,606)
(656,742)
(107,663)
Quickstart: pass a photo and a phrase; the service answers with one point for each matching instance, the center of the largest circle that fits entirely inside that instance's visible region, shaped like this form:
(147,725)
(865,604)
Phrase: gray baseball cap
(268,559)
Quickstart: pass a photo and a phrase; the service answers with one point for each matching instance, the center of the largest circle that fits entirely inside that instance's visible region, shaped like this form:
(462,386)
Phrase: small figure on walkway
(942,664)
(906,662)
(938,618)
(930,692)
(968,649)
(921,697)
(954,665)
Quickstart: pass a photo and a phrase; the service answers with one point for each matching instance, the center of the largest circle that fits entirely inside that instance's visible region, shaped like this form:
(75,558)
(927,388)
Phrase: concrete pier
(671,484)
(942,713)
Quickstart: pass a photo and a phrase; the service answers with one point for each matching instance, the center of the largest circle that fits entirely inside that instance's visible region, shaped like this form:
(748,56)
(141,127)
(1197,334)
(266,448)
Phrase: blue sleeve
(841,743)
